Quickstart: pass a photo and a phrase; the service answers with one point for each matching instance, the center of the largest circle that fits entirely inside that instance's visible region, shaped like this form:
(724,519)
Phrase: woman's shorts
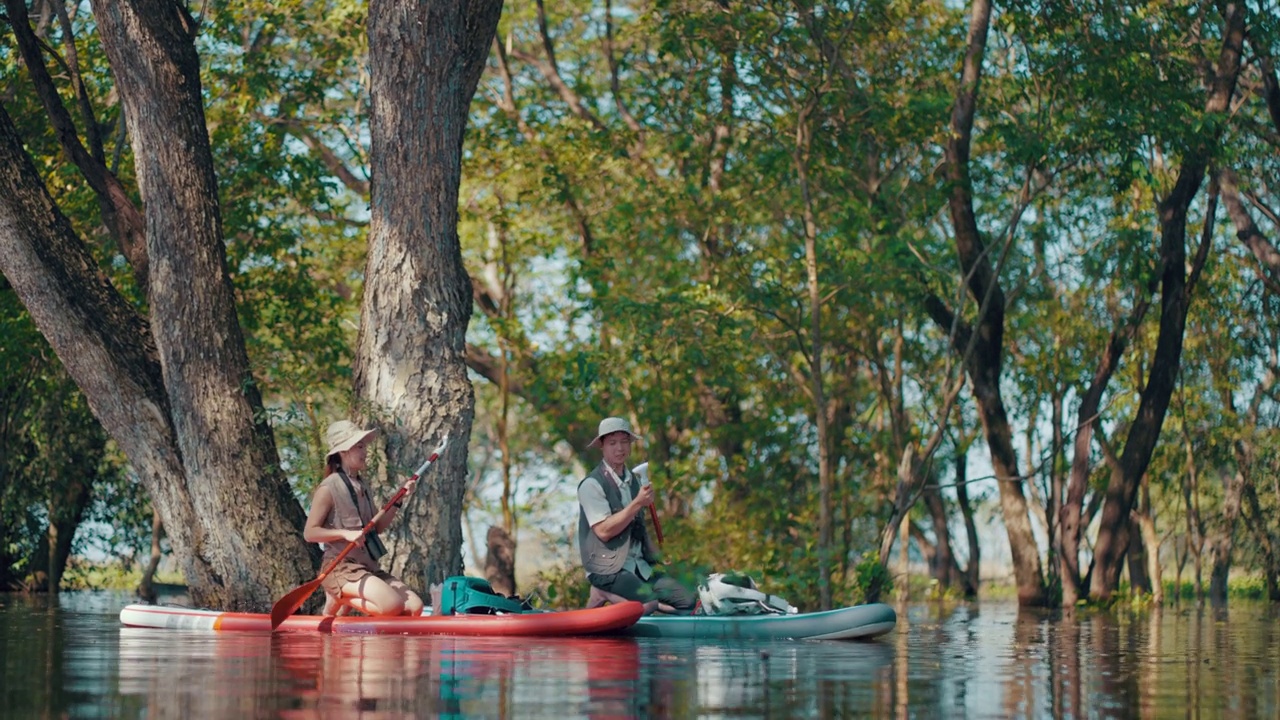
(349,572)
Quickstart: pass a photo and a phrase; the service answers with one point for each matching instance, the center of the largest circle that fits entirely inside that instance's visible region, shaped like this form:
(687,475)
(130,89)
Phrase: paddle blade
(290,603)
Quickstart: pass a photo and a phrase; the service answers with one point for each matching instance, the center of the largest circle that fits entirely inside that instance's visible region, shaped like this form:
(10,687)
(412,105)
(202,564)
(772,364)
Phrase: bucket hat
(611,425)
(344,435)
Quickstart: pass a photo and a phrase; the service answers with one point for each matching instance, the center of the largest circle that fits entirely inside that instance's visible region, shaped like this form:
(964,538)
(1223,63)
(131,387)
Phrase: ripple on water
(989,660)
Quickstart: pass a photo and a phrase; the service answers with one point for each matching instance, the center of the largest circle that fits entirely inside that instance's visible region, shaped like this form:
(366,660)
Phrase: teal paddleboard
(859,622)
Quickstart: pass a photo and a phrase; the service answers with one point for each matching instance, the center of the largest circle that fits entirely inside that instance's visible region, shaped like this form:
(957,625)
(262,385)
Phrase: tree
(984,362)
(1176,286)
(172,383)
(410,367)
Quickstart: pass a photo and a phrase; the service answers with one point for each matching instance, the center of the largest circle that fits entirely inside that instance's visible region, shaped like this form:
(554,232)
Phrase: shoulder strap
(354,500)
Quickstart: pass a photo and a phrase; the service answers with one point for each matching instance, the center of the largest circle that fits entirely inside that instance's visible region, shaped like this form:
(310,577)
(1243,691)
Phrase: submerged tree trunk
(1139,580)
(984,364)
(175,393)
(146,586)
(1072,521)
(1175,291)
(1151,540)
(500,561)
(425,60)
(65,515)
(972,569)
(943,566)
(1220,542)
(1256,521)
(227,447)
(109,351)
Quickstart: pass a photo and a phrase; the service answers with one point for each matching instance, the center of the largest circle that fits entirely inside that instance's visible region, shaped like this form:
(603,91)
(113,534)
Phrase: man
(617,552)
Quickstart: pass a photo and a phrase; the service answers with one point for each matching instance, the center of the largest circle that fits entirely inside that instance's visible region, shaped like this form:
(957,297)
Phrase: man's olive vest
(606,558)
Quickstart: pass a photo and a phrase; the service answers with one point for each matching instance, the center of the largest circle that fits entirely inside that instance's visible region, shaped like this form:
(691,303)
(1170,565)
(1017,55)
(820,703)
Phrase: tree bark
(1146,524)
(227,448)
(944,567)
(105,347)
(65,515)
(1139,578)
(985,363)
(1143,434)
(1256,521)
(410,370)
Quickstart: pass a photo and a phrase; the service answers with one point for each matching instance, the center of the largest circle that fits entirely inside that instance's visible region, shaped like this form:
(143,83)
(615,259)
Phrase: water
(990,660)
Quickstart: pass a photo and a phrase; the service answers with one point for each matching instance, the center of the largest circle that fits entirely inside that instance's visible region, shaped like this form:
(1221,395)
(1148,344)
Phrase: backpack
(736,594)
(468,595)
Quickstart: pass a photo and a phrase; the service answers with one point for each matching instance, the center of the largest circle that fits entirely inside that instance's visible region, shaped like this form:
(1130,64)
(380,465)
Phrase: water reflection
(74,660)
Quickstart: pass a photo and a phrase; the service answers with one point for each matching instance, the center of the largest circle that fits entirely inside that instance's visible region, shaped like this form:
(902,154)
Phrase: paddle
(643,471)
(290,603)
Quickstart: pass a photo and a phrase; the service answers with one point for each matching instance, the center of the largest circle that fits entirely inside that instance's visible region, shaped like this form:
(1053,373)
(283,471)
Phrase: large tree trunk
(227,448)
(1113,539)
(176,394)
(105,347)
(984,364)
(1257,524)
(1139,579)
(425,60)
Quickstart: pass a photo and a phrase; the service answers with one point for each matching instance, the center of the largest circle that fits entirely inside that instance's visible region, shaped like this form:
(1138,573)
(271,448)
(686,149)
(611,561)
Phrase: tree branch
(1247,231)
(119,214)
(327,156)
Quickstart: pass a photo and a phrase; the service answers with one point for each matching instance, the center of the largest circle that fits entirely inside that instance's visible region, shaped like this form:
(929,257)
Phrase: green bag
(467,595)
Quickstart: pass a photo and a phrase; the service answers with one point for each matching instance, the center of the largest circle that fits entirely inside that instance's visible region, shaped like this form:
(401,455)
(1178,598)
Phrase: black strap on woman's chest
(354,499)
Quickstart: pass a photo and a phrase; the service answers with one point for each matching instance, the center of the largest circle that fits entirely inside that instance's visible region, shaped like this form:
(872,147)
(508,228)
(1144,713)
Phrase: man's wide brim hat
(611,425)
(344,435)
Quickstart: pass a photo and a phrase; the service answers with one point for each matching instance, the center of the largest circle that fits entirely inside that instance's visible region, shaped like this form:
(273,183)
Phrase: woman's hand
(410,486)
(354,536)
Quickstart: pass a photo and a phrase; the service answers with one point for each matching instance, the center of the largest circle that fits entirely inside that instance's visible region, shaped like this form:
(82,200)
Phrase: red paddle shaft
(657,526)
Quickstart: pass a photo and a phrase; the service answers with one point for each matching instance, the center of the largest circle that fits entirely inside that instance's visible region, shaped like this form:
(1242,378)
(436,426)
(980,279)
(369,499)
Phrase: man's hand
(645,497)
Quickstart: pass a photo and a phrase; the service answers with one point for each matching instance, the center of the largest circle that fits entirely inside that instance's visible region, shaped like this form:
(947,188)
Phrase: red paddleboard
(605,619)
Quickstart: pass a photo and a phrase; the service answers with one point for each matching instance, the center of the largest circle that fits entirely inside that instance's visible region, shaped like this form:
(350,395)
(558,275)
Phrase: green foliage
(55,462)
(82,575)
(870,580)
(561,588)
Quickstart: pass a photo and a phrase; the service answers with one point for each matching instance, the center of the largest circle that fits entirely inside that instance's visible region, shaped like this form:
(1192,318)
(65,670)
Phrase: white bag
(737,594)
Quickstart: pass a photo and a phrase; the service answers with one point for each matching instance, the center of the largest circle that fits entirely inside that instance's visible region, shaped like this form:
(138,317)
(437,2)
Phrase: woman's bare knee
(379,597)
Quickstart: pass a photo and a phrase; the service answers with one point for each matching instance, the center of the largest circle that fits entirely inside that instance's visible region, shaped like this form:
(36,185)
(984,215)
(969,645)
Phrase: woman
(340,508)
